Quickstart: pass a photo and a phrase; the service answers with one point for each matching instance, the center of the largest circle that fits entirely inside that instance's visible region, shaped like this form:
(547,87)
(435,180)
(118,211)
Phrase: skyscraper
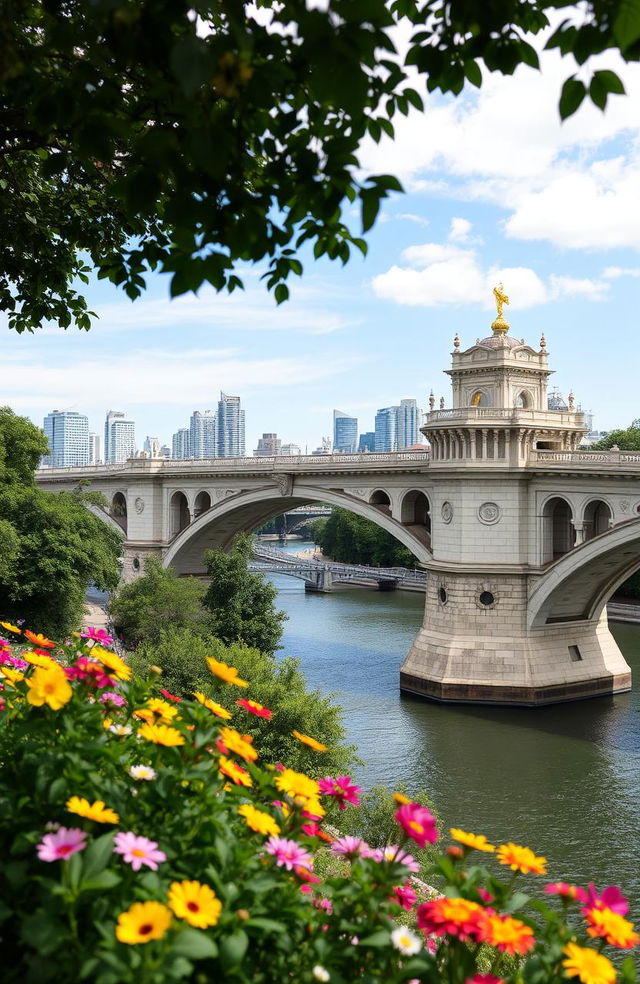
(345,432)
(202,434)
(180,447)
(385,432)
(67,432)
(290,450)
(407,424)
(230,439)
(268,445)
(94,448)
(122,440)
(111,416)
(367,441)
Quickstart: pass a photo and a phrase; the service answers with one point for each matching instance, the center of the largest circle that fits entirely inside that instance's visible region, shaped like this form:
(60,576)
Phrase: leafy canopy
(189,137)
(627,439)
(351,539)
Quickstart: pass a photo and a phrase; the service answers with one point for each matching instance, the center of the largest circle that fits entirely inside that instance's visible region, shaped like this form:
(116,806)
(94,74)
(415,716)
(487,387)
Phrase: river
(565,779)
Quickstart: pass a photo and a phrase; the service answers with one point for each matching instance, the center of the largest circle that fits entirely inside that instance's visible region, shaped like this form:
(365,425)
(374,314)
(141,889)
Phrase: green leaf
(97,856)
(381,938)
(194,944)
(610,81)
(598,93)
(191,64)
(473,73)
(106,879)
(626,27)
(233,948)
(269,925)
(573,92)
(281,293)
(370,207)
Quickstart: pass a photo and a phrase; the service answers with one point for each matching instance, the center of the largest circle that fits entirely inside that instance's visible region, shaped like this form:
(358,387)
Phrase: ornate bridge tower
(493,537)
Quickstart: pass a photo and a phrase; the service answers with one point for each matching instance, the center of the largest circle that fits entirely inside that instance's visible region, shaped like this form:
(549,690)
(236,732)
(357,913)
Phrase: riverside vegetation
(146,840)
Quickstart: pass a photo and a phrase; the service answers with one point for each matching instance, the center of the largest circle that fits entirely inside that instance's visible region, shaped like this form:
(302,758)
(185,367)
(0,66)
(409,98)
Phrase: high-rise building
(202,434)
(230,439)
(268,445)
(67,432)
(151,447)
(345,432)
(165,451)
(111,416)
(290,450)
(408,424)
(122,440)
(386,429)
(367,441)
(94,448)
(180,446)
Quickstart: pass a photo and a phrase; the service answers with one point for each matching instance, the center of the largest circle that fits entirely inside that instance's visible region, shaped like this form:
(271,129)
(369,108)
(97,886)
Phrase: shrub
(141,843)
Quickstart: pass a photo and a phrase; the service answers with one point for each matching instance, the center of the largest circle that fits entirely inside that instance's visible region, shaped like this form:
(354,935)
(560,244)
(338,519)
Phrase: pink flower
(418,822)
(62,844)
(6,659)
(137,851)
(393,853)
(351,847)
(342,789)
(405,896)
(483,979)
(98,635)
(288,853)
(566,891)
(89,670)
(609,898)
(111,697)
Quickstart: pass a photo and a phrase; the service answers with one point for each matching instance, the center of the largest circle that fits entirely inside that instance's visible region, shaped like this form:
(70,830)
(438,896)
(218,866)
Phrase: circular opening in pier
(486,598)
(136,564)
(442,595)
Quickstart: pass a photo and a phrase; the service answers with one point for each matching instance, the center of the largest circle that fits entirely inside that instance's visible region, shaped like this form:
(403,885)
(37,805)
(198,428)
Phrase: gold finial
(500,325)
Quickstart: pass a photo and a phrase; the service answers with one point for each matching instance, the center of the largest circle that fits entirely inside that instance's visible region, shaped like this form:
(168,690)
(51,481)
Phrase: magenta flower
(609,898)
(62,844)
(393,853)
(288,853)
(405,896)
(341,789)
(111,697)
(418,823)
(97,635)
(6,659)
(352,847)
(137,851)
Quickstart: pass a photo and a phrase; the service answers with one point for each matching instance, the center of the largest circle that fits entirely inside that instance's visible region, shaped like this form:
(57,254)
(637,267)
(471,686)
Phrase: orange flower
(477,842)
(507,934)
(612,927)
(234,771)
(10,627)
(400,798)
(212,706)
(39,640)
(228,674)
(253,707)
(311,742)
(161,734)
(522,859)
(231,740)
(457,917)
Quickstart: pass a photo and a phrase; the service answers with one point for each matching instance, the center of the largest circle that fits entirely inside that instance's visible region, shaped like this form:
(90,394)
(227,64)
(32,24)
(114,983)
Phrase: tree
(626,440)
(51,546)
(190,137)
(277,684)
(143,609)
(352,539)
(241,603)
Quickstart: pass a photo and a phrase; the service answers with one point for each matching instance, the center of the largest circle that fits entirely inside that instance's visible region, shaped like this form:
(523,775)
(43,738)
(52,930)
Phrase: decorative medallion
(139,504)
(446,512)
(489,513)
(223,493)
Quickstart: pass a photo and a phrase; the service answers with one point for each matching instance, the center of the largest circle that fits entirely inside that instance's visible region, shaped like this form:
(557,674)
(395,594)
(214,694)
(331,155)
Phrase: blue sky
(496,189)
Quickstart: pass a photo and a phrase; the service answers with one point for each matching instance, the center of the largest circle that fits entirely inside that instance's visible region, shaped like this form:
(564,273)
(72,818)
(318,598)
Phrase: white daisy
(142,772)
(406,941)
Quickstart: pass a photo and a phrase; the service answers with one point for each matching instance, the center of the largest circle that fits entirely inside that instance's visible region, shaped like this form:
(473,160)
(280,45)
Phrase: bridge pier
(475,646)
(322,583)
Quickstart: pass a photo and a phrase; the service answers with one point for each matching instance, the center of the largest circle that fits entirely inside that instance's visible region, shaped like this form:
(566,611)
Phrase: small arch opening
(480,399)
(416,510)
(118,510)
(180,517)
(201,504)
(381,501)
(442,595)
(597,519)
(558,533)
(523,400)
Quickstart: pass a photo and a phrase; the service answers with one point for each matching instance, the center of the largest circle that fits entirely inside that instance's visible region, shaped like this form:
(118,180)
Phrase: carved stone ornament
(361,493)
(223,493)
(489,513)
(446,512)
(139,505)
(625,505)
(284,482)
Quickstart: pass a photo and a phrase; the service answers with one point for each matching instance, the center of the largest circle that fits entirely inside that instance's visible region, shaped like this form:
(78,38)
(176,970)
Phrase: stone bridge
(523,537)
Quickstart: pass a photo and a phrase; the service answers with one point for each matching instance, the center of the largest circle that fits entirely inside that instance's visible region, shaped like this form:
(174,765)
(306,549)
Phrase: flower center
(145,929)
(64,849)
(137,853)
(193,907)
(419,829)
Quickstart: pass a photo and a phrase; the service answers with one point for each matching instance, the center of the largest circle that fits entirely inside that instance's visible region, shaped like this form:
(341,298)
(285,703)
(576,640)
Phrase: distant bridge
(322,575)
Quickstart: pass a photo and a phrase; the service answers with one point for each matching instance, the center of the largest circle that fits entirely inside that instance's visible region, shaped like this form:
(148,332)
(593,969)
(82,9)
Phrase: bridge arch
(597,518)
(201,503)
(381,499)
(118,510)
(578,585)
(247,511)
(558,531)
(179,516)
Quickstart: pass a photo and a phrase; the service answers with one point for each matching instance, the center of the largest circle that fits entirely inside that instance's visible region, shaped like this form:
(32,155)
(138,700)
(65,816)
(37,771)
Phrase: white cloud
(613,272)
(439,274)
(460,231)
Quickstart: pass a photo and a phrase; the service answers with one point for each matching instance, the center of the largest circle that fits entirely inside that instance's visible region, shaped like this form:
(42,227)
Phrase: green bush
(350,539)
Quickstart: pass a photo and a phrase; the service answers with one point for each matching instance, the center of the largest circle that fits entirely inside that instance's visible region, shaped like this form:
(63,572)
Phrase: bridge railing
(587,459)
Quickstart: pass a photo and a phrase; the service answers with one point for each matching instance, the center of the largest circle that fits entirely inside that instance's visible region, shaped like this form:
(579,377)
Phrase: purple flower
(62,844)
(352,847)
(137,851)
(110,697)
(288,853)
(97,635)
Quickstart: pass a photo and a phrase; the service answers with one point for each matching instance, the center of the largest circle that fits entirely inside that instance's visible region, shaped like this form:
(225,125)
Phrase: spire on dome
(500,326)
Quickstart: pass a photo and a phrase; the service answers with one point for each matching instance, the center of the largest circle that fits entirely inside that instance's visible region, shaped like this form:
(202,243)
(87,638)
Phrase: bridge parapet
(513,415)
(603,460)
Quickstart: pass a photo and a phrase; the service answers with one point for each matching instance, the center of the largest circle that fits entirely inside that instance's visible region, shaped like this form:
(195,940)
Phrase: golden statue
(500,324)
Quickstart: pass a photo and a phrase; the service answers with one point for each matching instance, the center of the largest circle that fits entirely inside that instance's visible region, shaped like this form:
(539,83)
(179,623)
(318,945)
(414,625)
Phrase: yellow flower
(211,705)
(49,685)
(195,903)
(297,784)
(224,672)
(241,745)
(92,811)
(112,662)
(162,709)
(11,628)
(161,734)
(477,842)
(614,928)
(38,659)
(401,799)
(144,714)
(261,822)
(13,676)
(234,771)
(144,921)
(311,742)
(522,859)
(589,966)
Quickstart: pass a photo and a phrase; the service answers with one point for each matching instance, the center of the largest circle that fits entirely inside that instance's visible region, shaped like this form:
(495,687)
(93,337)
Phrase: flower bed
(144,841)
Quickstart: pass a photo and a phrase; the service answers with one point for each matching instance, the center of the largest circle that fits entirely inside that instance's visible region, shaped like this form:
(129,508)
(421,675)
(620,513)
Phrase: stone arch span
(215,529)
(578,585)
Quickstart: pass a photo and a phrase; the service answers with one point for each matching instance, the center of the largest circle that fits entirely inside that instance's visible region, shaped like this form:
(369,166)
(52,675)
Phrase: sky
(496,189)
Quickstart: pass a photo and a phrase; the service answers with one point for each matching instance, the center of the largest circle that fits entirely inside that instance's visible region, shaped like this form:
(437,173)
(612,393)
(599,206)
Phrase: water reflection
(564,779)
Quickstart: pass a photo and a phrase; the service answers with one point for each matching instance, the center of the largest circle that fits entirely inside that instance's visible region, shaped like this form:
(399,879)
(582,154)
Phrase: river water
(564,779)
